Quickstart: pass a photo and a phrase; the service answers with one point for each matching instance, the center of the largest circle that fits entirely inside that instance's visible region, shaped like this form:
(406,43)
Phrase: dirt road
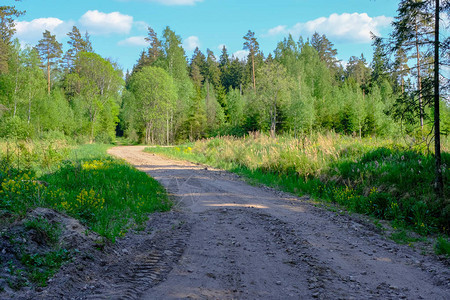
(248,242)
(225,239)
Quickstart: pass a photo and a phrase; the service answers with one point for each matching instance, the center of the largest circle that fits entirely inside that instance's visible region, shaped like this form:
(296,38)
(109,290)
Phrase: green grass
(377,177)
(41,267)
(106,194)
(403,237)
(442,246)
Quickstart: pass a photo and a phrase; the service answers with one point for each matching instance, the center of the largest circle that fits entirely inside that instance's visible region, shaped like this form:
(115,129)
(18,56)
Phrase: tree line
(45,92)
(298,89)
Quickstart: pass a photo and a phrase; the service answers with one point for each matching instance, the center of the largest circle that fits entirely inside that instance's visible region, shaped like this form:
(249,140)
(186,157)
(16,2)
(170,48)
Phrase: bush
(15,128)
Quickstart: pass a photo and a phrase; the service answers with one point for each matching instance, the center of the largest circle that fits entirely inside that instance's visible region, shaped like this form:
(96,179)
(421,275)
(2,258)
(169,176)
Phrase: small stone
(125,251)
(278,282)
(316,295)
(393,287)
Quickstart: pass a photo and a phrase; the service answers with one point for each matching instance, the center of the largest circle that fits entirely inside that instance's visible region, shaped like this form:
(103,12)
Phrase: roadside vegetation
(377,177)
(107,195)
(53,98)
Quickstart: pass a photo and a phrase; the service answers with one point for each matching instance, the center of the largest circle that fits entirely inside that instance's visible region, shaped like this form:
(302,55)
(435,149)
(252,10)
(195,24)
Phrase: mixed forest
(299,91)
(370,136)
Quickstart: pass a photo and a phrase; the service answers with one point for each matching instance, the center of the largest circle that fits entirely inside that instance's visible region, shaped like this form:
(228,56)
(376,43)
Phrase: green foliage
(95,86)
(403,237)
(15,128)
(375,177)
(108,195)
(442,246)
(153,101)
(105,194)
(41,267)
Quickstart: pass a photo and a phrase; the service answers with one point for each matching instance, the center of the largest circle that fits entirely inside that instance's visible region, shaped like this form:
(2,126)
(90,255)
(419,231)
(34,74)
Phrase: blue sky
(117,27)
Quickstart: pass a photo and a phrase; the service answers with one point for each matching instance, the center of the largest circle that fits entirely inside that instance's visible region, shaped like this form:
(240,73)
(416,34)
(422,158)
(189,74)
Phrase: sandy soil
(226,239)
(250,242)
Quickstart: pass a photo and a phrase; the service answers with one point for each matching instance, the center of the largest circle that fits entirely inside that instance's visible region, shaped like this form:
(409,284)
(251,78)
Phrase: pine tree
(50,51)
(77,44)
(400,68)
(413,32)
(252,45)
(325,50)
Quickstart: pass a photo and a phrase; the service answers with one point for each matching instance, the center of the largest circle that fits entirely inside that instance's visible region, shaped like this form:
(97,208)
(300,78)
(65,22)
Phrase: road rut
(249,242)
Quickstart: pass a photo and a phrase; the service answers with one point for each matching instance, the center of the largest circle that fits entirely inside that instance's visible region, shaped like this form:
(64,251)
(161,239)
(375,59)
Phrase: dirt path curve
(250,242)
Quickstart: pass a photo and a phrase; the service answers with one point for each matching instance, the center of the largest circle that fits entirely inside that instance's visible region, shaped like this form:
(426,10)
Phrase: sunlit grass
(377,177)
(106,194)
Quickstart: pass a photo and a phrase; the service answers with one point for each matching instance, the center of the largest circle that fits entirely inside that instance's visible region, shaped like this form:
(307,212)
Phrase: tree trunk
(16,89)
(48,74)
(403,85)
(273,125)
(29,106)
(437,134)
(253,66)
(419,79)
(167,126)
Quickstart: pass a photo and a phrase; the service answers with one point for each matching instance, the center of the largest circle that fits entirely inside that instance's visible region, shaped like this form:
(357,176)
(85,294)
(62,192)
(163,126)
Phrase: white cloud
(280,29)
(141,25)
(31,31)
(133,41)
(97,22)
(344,27)
(191,43)
(241,54)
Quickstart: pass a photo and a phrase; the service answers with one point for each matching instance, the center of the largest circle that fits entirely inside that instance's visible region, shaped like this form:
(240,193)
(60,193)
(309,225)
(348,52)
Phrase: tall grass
(378,177)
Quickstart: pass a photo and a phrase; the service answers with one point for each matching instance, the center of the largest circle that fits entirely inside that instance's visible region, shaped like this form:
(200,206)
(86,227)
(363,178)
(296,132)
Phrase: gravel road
(237,241)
